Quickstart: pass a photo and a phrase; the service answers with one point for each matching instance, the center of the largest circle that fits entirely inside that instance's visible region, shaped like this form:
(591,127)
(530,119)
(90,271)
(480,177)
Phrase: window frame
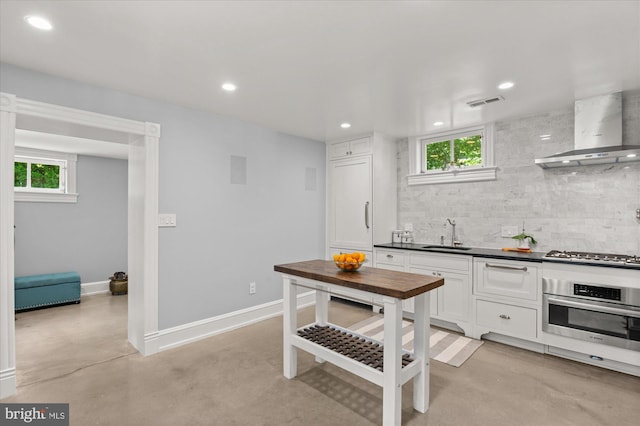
(420,176)
(66,193)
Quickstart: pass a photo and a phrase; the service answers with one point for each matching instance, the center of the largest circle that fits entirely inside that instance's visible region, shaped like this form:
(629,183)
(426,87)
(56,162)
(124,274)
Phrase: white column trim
(7,319)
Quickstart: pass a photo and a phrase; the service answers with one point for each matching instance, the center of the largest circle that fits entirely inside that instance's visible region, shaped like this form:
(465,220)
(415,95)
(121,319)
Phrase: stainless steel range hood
(597,137)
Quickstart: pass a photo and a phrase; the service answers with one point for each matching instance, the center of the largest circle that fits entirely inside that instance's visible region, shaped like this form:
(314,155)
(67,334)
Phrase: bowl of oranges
(349,262)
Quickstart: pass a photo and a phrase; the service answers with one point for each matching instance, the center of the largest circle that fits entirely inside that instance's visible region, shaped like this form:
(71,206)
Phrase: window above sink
(462,155)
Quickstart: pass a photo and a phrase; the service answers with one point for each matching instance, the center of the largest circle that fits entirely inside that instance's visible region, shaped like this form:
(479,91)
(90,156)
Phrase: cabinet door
(435,294)
(350,203)
(338,150)
(453,297)
(360,146)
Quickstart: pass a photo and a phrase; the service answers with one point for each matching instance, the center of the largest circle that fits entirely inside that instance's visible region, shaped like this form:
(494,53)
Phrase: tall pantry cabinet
(361,194)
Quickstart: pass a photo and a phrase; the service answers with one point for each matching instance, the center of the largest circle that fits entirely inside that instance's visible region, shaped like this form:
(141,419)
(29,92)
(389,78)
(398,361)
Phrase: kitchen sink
(447,247)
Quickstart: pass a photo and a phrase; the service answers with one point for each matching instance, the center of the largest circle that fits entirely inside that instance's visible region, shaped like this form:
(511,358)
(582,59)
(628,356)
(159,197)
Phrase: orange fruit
(336,257)
(362,257)
(343,257)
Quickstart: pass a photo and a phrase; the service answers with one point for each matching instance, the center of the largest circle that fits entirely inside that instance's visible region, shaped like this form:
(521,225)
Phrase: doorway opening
(141,140)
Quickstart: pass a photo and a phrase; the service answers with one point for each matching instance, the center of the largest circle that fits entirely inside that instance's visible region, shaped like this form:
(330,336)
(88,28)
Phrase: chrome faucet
(453,232)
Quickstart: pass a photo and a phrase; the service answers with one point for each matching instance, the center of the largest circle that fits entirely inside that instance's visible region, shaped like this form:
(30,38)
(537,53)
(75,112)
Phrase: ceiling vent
(480,102)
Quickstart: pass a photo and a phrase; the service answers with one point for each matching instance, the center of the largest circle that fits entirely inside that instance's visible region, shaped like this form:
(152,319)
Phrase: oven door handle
(594,306)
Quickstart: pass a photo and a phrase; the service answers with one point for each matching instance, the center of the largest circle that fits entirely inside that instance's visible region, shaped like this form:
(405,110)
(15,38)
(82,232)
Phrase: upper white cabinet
(361,192)
(348,148)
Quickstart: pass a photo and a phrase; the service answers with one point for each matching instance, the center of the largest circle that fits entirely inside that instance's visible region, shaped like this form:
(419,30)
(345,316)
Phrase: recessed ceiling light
(566,161)
(544,136)
(631,155)
(229,87)
(39,22)
(345,125)
(438,123)
(505,85)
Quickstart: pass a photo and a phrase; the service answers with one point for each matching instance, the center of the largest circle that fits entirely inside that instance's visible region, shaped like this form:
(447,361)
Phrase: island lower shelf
(350,350)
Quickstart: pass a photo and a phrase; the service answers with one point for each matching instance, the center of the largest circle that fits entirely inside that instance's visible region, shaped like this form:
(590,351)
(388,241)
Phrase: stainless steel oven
(598,313)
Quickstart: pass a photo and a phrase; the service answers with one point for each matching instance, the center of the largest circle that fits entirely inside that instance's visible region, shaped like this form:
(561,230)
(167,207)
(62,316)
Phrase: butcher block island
(386,365)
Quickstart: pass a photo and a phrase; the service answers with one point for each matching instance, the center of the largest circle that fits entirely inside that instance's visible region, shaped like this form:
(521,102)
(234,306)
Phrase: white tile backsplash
(590,208)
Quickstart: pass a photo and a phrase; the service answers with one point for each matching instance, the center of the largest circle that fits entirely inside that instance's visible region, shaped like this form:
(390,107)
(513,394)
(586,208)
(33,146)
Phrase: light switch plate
(509,231)
(167,220)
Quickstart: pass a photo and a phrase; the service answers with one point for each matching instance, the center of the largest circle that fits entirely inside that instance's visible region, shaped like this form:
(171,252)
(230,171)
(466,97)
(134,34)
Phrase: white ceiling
(305,67)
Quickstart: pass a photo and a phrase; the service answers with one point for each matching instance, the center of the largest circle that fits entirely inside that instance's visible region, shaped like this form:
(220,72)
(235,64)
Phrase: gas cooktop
(598,258)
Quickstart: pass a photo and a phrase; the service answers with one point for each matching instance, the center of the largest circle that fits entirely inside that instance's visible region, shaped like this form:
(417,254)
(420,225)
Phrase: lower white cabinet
(450,303)
(508,298)
(510,320)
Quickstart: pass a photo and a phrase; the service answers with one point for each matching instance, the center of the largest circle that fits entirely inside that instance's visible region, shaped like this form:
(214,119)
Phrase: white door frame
(143,139)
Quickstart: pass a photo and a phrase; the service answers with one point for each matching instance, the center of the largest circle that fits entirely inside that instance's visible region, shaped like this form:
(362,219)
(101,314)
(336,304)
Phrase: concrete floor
(79,354)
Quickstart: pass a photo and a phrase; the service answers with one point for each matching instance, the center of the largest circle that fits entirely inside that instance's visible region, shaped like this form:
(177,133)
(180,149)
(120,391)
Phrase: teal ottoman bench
(38,291)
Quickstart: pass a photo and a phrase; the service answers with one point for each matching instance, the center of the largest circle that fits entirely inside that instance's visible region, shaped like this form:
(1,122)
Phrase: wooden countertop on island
(402,285)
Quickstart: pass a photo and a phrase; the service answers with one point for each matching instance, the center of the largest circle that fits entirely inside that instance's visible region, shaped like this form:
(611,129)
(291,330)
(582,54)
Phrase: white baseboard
(98,287)
(198,330)
(8,382)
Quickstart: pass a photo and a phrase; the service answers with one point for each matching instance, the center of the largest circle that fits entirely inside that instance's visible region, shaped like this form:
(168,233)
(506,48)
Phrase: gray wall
(89,237)
(228,234)
(589,208)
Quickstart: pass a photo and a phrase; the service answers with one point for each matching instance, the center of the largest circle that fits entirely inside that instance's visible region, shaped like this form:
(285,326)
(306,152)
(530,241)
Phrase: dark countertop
(473,251)
(496,254)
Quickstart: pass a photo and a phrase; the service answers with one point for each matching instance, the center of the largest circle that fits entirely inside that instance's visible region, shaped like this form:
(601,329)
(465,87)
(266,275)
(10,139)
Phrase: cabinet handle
(389,256)
(513,268)
(366,214)
(503,316)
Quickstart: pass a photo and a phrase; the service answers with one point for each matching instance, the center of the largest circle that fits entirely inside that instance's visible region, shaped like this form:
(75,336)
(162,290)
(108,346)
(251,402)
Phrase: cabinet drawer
(512,320)
(390,257)
(507,278)
(439,262)
(390,267)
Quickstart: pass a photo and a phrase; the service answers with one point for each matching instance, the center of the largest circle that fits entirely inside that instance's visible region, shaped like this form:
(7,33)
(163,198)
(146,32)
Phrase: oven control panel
(608,293)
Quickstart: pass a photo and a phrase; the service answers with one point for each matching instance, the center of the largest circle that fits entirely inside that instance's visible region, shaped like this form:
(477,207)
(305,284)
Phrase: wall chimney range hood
(597,137)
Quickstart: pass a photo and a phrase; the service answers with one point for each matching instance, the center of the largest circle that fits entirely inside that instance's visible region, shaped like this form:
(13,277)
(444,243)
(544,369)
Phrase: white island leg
(421,335)
(322,310)
(289,328)
(392,385)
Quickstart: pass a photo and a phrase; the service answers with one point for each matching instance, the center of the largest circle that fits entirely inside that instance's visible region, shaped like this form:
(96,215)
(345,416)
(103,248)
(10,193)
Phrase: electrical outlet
(252,288)
(408,227)
(167,220)
(509,231)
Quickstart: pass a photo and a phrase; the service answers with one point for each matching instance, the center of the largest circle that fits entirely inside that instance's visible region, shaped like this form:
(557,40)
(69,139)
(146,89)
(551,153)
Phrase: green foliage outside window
(438,155)
(20,175)
(42,175)
(467,151)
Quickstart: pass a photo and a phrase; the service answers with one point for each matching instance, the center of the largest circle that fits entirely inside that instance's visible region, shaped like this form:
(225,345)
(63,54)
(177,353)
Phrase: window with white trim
(44,176)
(463,155)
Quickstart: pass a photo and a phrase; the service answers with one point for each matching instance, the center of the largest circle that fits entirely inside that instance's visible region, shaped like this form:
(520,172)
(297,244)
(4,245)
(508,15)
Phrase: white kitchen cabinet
(350,202)
(453,300)
(394,260)
(348,148)
(511,320)
(450,303)
(507,295)
(361,192)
